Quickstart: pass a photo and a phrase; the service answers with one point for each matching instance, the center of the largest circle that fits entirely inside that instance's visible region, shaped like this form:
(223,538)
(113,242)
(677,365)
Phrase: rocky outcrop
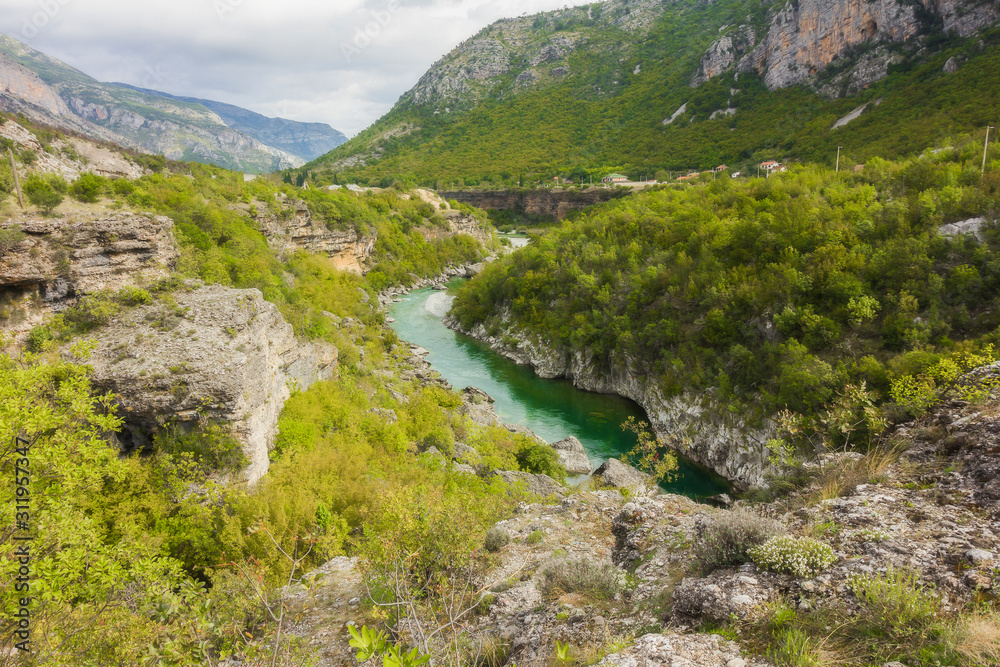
(619,475)
(210,353)
(551,203)
(690,423)
(349,250)
(677,650)
(60,258)
(806,36)
(572,456)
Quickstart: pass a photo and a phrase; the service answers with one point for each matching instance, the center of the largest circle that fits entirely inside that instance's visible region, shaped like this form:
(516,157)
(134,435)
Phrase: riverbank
(706,434)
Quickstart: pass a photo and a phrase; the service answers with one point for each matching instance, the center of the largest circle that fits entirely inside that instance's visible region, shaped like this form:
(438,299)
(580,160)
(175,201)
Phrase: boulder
(213,353)
(573,456)
(618,475)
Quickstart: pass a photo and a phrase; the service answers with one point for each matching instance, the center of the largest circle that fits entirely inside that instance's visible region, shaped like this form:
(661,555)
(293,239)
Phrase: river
(553,409)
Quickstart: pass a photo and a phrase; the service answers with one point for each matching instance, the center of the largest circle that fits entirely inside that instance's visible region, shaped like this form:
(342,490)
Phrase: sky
(342,62)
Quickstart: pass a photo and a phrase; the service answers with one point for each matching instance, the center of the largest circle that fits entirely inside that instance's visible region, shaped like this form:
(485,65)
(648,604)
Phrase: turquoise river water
(553,409)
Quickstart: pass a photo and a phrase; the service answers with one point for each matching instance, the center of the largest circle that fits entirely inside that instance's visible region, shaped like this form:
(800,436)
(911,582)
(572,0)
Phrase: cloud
(343,62)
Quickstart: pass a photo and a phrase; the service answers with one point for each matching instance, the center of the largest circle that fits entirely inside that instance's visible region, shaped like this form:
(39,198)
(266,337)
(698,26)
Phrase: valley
(434,398)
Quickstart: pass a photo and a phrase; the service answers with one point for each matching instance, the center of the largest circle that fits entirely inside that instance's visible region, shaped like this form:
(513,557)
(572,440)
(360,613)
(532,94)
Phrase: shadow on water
(554,409)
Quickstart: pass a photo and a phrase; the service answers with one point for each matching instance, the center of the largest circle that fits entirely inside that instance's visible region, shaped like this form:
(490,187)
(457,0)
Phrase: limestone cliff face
(60,258)
(702,432)
(220,354)
(460,223)
(90,157)
(807,35)
(348,250)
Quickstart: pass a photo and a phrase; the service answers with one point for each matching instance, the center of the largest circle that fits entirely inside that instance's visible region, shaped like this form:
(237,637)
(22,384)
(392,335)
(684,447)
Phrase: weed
(590,579)
(725,542)
(496,539)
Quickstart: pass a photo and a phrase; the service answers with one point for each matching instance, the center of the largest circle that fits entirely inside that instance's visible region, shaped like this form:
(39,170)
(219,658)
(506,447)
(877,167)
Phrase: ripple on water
(438,304)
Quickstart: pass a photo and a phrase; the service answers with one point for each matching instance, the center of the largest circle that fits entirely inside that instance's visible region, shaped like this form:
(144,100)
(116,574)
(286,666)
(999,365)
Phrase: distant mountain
(641,86)
(303,140)
(51,92)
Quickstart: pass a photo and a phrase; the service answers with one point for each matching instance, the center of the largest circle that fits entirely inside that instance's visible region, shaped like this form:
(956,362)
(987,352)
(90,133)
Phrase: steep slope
(51,92)
(640,86)
(303,140)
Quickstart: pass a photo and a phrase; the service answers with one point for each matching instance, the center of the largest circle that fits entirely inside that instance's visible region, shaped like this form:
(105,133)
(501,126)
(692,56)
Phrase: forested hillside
(771,293)
(610,87)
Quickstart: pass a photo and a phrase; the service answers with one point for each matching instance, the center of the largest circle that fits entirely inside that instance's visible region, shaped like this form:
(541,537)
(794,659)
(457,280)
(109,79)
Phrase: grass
(726,541)
(896,618)
(594,581)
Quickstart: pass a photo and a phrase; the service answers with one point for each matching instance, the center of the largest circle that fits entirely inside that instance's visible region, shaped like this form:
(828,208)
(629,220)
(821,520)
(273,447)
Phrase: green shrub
(496,539)
(88,187)
(534,537)
(9,239)
(896,600)
(590,579)
(798,556)
(540,459)
(42,193)
(726,541)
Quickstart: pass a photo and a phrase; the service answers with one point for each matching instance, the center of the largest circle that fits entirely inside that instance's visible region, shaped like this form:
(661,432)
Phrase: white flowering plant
(798,556)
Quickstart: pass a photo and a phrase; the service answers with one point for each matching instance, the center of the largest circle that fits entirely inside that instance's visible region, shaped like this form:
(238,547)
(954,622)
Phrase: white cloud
(285,59)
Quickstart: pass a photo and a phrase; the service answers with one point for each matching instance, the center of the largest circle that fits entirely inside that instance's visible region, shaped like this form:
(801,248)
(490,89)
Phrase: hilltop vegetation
(162,556)
(606,107)
(772,293)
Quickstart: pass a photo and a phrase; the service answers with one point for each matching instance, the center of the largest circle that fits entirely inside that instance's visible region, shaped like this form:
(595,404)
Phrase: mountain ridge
(51,92)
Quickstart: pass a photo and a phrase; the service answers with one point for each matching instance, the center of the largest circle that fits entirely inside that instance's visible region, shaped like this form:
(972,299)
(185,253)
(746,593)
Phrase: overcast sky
(308,60)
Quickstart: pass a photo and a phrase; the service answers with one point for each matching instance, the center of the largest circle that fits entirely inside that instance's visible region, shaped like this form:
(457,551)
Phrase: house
(615,178)
(721,167)
(770,165)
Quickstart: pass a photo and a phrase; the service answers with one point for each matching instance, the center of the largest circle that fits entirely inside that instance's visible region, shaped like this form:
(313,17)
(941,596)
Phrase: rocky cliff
(549,203)
(58,260)
(691,424)
(209,353)
(805,36)
(300,231)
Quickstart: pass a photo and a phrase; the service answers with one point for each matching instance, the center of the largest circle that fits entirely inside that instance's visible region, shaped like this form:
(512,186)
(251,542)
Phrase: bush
(726,541)
(88,187)
(798,556)
(535,537)
(496,539)
(540,459)
(43,193)
(596,582)
(9,239)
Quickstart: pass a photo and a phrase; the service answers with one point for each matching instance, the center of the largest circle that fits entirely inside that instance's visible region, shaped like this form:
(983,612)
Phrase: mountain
(51,92)
(303,140)
(647,85)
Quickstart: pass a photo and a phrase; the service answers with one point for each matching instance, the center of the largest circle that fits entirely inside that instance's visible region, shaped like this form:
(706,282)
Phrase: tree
(88,187)
(42,194)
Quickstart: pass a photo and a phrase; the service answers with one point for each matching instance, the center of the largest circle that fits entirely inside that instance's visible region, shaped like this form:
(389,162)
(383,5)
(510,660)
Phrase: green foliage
(774,293)
(373,644)
(727,540)
(9,239)
(609,115)
(88,187)
(649,454)
(539,458)
(798,556)
(45,193)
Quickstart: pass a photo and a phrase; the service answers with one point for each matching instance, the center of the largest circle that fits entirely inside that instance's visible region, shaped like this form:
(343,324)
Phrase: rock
(970,227)
(219,354)
(721,595)
(720,500)
(573,456)
(476,396)
(539,485)
(347,249)
(979,556)
(618,475)
(473,270)
(62,258)
(675,650)
(951,66)
(461,467)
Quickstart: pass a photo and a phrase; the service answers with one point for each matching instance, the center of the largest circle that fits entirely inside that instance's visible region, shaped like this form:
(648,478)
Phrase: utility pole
(17,181)
(986,144)
(838,159)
